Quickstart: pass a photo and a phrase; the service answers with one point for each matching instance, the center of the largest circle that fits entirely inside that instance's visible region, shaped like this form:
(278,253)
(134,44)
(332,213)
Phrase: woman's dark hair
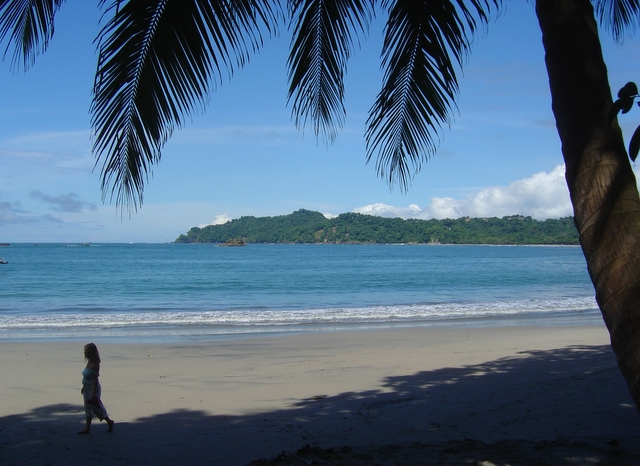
(91,353)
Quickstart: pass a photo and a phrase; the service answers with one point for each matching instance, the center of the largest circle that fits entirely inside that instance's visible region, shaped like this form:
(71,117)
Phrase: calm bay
(169,292)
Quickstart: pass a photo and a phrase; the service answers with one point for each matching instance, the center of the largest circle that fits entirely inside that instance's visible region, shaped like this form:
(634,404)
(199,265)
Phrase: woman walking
(91,391)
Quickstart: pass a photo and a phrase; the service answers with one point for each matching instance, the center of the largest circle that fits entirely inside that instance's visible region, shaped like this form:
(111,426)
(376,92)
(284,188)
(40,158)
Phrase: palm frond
(158,61)
(424,43)
(618,16)
(321,46)
(29,26)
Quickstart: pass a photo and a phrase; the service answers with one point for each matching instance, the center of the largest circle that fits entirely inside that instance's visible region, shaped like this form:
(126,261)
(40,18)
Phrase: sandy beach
(513,395)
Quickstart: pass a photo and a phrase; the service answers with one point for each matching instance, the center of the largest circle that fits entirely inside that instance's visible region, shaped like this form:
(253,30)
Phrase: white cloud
(269,135)
(219,220)
(51,141)
(24,154)
(67,151)
(384,210)
(541,196)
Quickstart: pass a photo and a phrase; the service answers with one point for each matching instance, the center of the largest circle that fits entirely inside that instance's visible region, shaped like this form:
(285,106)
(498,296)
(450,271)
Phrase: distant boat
(3,260)
(5,244)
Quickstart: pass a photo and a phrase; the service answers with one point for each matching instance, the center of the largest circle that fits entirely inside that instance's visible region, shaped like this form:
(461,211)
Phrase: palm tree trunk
(601,182)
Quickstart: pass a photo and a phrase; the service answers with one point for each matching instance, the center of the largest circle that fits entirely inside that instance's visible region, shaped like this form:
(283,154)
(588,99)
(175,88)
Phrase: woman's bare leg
(87,427)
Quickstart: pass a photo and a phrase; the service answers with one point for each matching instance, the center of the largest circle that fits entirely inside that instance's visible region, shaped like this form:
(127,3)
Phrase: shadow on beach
(561,407)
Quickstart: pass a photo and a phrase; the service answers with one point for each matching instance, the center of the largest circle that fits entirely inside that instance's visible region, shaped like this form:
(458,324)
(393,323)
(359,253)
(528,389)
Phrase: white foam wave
(262,317)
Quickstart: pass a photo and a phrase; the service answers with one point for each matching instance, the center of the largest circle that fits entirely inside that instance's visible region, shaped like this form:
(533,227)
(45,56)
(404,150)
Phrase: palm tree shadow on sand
(566,406)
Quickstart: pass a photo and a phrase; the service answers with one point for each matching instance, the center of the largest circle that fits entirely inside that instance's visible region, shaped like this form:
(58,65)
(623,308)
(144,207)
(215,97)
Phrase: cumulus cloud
(384,210)
(541,196)
(64,203)
(219,220)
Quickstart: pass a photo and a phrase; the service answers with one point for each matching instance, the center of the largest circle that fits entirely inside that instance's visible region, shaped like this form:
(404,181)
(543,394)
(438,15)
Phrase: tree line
(305,226)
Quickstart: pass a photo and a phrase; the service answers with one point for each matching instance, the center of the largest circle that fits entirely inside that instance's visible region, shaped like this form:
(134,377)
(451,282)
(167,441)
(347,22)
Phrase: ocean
(196,292)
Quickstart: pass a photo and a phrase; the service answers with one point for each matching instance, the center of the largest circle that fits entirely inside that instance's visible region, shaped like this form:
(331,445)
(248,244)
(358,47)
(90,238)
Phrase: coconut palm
(160,59)
(601,182)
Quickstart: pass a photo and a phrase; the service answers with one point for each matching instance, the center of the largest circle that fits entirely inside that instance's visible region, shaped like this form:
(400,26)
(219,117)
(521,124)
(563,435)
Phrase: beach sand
(448,395)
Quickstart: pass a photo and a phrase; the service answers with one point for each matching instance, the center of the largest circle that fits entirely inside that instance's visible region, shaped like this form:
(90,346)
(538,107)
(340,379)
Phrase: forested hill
(305,226)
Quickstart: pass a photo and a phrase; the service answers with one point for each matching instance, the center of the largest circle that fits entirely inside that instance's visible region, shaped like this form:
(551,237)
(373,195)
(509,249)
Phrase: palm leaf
(158,62)
(29,26)
(424,42)
(322,42)
(618,15)
(634,145)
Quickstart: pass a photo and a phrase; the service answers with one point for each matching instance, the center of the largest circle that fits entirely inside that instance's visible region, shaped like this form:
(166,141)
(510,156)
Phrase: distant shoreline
(309,227)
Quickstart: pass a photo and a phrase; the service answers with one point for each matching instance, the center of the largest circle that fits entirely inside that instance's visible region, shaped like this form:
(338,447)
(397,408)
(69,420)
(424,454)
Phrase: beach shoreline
(234,401)
(202,333)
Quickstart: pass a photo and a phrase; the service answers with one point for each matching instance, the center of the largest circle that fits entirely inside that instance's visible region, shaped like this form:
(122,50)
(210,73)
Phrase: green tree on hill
(351,228)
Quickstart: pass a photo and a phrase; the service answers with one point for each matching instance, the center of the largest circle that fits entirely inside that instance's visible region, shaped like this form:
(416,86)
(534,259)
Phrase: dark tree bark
(601,182)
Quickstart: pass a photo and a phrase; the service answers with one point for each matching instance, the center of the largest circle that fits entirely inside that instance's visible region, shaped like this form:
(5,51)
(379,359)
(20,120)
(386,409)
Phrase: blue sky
(244,156)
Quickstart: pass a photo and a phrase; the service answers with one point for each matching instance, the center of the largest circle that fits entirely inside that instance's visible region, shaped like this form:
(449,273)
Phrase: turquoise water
(197,291)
